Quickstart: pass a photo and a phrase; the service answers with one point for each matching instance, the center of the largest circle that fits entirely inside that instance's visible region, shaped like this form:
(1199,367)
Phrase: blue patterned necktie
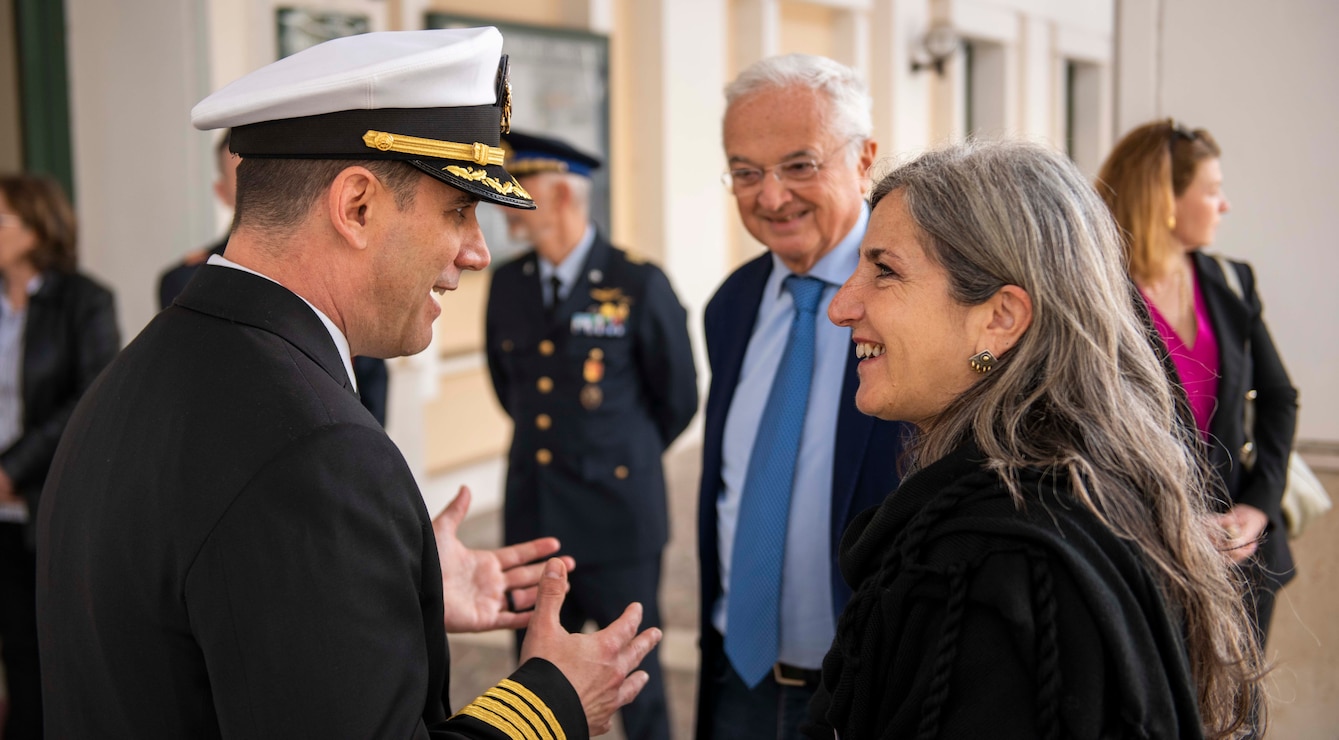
(753,621)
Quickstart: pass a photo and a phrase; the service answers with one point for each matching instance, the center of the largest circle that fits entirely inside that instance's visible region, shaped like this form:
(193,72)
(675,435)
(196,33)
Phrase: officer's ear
(561,192)
(353,193)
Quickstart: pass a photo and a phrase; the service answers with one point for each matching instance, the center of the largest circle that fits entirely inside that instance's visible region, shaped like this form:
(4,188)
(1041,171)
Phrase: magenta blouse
(1197,365)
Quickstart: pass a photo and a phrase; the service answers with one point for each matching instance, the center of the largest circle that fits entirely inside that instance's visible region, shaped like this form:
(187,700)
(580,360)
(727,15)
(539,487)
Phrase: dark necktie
(753,621)
(556,284)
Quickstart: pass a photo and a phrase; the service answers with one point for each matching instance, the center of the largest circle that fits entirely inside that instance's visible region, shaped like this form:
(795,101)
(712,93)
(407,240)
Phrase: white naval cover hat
(438,100)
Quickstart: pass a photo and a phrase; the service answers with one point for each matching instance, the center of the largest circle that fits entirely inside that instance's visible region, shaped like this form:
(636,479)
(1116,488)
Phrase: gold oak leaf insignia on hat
(473,175)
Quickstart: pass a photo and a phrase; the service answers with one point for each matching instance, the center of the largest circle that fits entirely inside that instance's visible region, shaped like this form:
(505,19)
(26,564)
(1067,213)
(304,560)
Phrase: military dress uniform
(598,386)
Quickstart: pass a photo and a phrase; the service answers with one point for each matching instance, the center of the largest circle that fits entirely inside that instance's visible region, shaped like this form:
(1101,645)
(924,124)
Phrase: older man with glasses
(787,458)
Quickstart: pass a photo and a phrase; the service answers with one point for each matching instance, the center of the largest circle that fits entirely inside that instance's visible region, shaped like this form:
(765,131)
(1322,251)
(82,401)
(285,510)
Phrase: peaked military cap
(530,154)
(439,100)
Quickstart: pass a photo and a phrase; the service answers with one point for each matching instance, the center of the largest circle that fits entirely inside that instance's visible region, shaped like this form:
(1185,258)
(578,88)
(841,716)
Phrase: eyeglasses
(9,220)
(744,180)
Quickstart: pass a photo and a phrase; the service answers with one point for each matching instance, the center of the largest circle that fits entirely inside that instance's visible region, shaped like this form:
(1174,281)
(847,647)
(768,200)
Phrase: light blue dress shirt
(12,324)
(569,270)
(807,624)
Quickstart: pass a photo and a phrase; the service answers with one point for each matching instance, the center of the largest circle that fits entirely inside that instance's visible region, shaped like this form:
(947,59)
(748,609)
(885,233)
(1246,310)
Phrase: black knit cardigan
(972,618)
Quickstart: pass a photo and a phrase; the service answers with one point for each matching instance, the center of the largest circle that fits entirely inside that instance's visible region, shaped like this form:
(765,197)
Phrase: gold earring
(1171,223)
(982,362)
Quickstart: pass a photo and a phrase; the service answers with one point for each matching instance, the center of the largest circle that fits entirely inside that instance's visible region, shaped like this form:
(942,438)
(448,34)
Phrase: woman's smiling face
(914,338)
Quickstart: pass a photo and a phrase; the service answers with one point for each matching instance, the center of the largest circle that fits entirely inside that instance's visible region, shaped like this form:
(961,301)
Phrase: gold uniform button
(543,421)
(546,348)
(507,345)
(621,472)
(544,457)
(545,384)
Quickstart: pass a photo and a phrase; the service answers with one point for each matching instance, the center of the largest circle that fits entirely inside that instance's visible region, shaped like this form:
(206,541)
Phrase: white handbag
(1304,498)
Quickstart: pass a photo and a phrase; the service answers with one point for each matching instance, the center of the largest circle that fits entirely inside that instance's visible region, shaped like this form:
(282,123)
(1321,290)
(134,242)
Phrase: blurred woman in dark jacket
(57,331)
(1164,184)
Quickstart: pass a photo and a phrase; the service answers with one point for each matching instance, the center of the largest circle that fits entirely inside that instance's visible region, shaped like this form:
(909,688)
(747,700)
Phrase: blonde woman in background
(1164,184)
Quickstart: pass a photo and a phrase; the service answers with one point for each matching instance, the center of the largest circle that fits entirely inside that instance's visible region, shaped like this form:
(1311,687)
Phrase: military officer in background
(589,354)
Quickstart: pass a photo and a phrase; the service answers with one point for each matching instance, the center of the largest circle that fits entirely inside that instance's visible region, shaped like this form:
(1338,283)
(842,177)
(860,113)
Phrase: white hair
(851,115)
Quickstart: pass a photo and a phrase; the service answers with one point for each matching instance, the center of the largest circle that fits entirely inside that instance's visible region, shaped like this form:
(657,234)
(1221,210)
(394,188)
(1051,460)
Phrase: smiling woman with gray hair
(1048,568)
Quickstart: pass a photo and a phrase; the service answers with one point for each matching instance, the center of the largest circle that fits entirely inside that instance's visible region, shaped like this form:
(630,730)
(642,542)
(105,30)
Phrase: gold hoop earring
(982,362)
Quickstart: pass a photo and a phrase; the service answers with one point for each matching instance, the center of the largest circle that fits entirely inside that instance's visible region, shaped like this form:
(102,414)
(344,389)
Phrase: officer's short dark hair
(276,194)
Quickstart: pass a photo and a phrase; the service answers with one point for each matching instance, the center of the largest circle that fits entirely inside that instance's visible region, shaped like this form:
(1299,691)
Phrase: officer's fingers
(632,686)
(635,651)
(512,621)
(623,629)
(528,576)
(526,552)
(449,520)
(549,600)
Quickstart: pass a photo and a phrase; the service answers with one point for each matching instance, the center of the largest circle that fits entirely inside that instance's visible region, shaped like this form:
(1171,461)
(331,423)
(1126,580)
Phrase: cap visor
(491,183)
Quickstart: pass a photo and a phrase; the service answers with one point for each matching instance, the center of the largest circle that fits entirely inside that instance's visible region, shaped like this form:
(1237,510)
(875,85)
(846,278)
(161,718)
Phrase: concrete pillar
(678,50)
(851,39)
(1138,76)
(901,96)
(757,31)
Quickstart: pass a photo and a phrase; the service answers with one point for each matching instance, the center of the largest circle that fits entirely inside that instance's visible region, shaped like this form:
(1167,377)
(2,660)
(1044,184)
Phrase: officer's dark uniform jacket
(597,390)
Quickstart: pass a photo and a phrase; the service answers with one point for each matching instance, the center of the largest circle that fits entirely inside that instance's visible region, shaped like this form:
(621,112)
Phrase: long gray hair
(1083,393)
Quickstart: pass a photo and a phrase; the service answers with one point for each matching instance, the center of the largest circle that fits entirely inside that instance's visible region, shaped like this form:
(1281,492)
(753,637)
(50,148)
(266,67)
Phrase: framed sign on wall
(560,87)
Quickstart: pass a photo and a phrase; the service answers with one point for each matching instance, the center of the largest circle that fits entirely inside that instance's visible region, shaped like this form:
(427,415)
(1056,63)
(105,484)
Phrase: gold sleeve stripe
(537,703)
(492,720)
(509,712)
(515,703)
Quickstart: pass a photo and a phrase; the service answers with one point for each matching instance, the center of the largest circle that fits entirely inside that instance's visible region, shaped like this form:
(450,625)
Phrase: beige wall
(1260,77)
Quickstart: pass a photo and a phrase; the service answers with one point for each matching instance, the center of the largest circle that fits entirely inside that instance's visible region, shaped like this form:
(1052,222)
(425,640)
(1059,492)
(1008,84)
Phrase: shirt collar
(34,284)
(570,269)
(341,343)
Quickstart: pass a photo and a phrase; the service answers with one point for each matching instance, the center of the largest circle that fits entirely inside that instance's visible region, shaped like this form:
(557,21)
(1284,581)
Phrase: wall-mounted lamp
(939,44)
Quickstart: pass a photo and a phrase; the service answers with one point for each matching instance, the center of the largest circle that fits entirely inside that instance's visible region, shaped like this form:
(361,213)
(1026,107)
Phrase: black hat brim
(491,183)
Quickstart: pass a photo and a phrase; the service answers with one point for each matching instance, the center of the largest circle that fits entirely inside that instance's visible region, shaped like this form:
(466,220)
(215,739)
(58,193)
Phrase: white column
(596,16)
(850,35)
(1137,78)
(1039,97)
(757,30)
(678,60)
(901,97)
(142,173)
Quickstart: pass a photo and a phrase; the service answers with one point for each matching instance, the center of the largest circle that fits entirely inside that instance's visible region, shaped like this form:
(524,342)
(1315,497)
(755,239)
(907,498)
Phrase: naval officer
(229,544)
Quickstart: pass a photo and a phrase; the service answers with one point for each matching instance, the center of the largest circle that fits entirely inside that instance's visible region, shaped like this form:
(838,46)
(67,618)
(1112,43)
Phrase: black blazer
(371,373)
(229,544)
(1248,360)
(69,336)
(612,397)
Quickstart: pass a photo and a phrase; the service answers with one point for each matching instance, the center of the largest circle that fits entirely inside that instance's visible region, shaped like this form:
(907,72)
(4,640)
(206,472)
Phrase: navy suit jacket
(866,450)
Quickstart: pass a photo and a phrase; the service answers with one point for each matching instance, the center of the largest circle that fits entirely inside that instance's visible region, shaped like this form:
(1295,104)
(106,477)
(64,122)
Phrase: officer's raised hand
(598,665)
(486,589)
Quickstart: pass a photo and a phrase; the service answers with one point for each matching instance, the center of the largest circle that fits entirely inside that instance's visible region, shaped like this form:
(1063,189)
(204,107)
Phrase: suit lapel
(240,297)
(742,313)
(1230,318)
